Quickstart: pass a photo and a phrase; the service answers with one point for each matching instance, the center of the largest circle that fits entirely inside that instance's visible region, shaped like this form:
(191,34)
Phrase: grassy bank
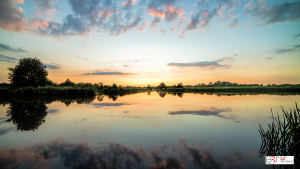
(47,91)
(245,89)
(74,91)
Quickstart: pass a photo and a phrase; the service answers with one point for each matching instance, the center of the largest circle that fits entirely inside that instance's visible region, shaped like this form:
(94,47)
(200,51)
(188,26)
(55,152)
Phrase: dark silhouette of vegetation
(282,137)
(27,116)
(68,83)
(28,73)
(180,85)
(162,94)
(162,85)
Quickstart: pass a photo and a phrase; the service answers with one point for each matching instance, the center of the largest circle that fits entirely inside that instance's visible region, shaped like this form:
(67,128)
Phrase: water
(145,130)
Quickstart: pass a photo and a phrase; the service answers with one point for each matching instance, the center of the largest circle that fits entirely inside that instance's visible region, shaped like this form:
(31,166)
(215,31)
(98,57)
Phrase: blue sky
(138,42)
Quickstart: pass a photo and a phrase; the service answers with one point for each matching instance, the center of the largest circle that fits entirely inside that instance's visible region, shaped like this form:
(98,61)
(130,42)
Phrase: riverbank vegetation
(282,136)
(228,87)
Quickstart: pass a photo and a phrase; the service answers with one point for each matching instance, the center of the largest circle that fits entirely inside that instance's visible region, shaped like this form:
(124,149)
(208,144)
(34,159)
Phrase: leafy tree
(180,85)
(29,72)
(114,86)
(162,85)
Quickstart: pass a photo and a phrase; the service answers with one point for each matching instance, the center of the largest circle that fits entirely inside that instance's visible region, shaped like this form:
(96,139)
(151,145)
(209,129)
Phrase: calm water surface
(144,130)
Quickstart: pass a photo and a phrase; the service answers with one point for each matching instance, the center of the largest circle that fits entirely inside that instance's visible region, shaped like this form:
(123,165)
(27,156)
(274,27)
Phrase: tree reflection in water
(27,116)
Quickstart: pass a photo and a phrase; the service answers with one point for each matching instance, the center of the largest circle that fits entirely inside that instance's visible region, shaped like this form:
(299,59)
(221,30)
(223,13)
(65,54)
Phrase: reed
(282,138)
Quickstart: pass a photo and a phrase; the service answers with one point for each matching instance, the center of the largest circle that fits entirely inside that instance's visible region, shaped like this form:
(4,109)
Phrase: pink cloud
(146,22)
(154,26)
(181,19)
(203,22)
(49,11)
(194,4)
(172,28)
(106,13)
(19,1)
(156,13)
(37,23)
(172,12)
(199,31)
(183,27)
(249,4)
(155,32)
(192,13)
(20,9)
(37,14)
(132,2)
(141,29)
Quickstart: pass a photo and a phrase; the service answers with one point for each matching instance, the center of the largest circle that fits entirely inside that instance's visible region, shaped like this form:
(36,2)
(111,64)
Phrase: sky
(141,42)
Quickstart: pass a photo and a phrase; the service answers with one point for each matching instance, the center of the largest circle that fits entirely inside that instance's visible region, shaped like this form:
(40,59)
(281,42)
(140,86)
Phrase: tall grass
(282,138)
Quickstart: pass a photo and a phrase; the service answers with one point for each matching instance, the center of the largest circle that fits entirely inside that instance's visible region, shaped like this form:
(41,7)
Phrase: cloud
(100,72)
(281,51)
(3,120)
(4,47)
(204,64)
(81,120)
(81,58)
(99,105)
(172,13)
(202,17)
(212,111)
(45,6)
(172,28)
(162,30)
(296,36)
(53,111)
(8,59)
(154,22)
(235,23)
(114,155)
(11,19)
(269,58)
(275,13)
(128,4)
(5,131)
(52,66)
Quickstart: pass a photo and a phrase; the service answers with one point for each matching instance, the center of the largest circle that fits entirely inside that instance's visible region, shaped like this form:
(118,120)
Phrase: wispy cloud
(100,72)
(235,23)
(53,111)
(99,105)
(8,59)
(269,58)
(212,111)
(4,47)
(296,36)
(204,64)
(275,13)
(81,58)
(52,66)
(281,51)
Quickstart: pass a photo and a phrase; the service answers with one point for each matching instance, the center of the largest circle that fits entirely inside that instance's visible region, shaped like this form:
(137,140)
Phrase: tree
(29,72)
(162,85)
(180,85)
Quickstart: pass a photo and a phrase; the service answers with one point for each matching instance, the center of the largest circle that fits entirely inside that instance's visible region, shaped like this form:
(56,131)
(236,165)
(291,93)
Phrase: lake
(144,130)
